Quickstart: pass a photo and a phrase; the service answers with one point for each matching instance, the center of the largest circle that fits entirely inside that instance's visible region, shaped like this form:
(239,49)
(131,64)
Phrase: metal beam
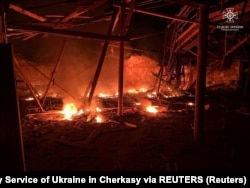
(80,11)
(190,51)
(27,13)
(151,13)
(183,10)
(146,35)
(67,33)
(32,90)
(185,2)
(129,16)
(101,60)
(121,61)
(159,15)
(54,82)
(54,25)
(12,158)
(186,35)
(193,28)
(201,75)
(124,23)
(11,144)
(53,73)
(236,46)
(3,28)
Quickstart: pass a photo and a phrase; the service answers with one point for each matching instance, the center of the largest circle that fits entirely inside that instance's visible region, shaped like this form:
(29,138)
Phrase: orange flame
(151,109)
(152,94)
(99,119)
(143,90)
(29,99)
(132,91)
(135,91)
(98,109)
(70,110)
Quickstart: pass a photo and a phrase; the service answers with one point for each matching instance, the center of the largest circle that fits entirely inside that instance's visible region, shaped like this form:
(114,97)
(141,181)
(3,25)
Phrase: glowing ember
(29,99)
(69,111)
(98,119)
(107,95)
(39,94)
(98,109)
(152,94)
(143,90)
(132,91)
(151,109)
(190,104)
(80,112)
(104,95)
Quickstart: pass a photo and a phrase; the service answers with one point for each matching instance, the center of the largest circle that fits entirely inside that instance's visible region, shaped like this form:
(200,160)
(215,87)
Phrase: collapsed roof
(178,21)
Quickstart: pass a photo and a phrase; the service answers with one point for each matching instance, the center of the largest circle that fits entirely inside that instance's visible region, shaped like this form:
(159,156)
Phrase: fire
(190,104)
(99,119)
(39,94)
(143,90)
(70,110)
(152,94)
(151,109)
(80,112)
(29,99)
(98,109)
(103,95)
(132,91)
(135,91)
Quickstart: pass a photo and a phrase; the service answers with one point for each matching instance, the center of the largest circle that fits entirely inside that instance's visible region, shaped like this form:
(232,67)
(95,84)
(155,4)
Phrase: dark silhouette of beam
(66,33)
(201,75)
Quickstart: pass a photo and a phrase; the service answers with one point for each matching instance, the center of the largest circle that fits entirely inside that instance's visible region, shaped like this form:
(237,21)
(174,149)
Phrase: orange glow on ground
(151,109)
(99,119)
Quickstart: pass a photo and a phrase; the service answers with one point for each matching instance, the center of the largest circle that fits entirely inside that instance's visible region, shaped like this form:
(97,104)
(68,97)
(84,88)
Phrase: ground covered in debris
(139,142)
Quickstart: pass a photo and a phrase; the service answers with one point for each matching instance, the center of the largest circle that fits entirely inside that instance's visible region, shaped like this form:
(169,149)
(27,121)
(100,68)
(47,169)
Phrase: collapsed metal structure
(191,32)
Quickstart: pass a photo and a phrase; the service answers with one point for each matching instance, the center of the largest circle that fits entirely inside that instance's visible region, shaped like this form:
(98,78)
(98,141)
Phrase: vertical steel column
(121,64)
(101,60)
(124,23)
(11,144)
(201,74)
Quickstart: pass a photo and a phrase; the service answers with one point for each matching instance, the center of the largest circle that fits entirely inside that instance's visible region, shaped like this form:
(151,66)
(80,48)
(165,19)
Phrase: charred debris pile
(138,107)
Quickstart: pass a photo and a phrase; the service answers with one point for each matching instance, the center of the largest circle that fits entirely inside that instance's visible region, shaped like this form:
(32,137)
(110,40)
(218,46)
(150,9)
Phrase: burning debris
(29,105)
(139,101)
(70,110)
(152,109)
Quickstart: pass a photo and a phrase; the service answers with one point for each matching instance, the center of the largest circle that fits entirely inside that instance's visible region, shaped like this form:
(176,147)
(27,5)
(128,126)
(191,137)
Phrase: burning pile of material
(138,93)
(70,110)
